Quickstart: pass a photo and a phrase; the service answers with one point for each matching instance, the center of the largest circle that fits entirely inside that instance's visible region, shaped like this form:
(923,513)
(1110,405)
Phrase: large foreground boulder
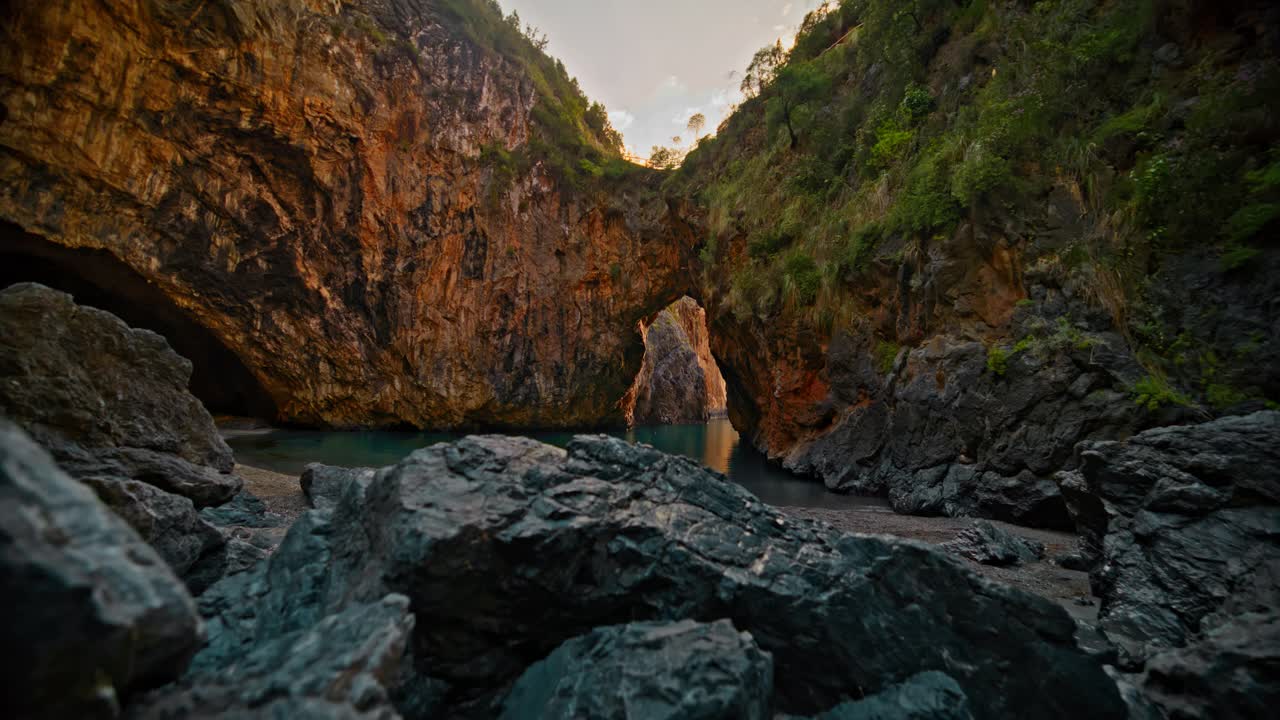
(658,671)
(1182,519)
(507,548)
(92,613)
(105,399)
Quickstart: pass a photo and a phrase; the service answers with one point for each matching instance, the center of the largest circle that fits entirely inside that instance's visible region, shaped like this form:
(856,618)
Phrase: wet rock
(324,484)
(169,522)
(927,696)
(678,671)
(987,544)
(105,399)
(1187,517)
(507,548)
(94,613)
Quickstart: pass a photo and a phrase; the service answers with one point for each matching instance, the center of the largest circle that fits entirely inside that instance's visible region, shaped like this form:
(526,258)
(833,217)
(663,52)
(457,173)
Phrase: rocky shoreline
(500,577)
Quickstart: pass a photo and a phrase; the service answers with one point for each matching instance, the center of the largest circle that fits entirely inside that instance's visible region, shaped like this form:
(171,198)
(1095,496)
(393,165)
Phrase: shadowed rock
(169,522)
(105,399)
(987,544)
(1185,518)
(927,696)
(507,547)
(323,484)
(657,671)
(92,612)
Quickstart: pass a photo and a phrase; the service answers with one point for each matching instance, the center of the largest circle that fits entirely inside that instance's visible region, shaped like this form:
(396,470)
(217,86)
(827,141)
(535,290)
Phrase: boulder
(105,399)
(1185,518)
(987,544)
(927,696)
(93,612)
(507,548)
(169,522)
(323,484)
(658,671)
(339,667)
(678,381)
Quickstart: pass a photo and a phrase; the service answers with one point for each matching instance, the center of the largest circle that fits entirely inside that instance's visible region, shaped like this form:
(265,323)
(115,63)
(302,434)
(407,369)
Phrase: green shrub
(1223,396)
(997,360)
(800,273)
(1154,393)
(886,355)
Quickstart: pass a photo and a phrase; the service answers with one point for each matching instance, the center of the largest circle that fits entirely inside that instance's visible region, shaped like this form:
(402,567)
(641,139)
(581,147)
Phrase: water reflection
(715,444)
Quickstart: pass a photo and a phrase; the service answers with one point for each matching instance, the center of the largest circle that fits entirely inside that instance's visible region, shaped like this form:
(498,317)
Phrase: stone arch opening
(98,279)
(679,381)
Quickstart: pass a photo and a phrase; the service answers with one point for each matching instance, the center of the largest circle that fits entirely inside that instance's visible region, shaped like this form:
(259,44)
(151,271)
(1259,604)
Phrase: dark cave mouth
(98,279)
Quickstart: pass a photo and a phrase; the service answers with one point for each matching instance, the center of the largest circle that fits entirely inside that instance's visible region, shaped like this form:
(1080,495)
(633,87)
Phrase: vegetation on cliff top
(573,137)
(890,125)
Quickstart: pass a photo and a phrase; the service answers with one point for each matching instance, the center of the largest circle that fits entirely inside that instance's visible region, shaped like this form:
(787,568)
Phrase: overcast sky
(654,63)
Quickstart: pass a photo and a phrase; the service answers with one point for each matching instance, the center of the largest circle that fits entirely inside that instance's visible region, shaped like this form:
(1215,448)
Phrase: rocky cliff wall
(304,180)
(679,381)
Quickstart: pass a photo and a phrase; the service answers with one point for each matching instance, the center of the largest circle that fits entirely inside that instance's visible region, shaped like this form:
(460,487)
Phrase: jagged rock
(169,522)
(927,696)
(987,544)
(679,381)
(324,484)
(507,548)
(339,667)
(105,399)
(1187,516)
(244,510)
(234,556)
(659,671)
(92,611)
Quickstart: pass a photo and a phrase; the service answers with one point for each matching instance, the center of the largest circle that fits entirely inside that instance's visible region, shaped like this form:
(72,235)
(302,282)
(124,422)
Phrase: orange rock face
(312,193)
(679,381)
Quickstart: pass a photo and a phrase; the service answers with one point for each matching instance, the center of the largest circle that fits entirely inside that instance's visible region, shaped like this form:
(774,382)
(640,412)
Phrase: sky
(654,63)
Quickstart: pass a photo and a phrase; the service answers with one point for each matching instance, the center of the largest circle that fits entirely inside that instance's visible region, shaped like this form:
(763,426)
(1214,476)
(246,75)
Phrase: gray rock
(1187,516)
(323,484)
(93,612)
(234,556)
(169,522)
(507,548)
(659,671)
(928,696)
(339,667)
(106,399)
(245,510)
(987,544)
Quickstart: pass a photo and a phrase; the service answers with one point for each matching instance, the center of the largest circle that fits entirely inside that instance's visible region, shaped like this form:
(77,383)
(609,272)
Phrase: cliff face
(305,181)
(947,245)
(679,381)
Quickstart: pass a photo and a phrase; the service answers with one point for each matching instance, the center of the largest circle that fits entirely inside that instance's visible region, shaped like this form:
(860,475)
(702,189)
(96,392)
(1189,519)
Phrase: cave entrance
(679,381)
(98,279)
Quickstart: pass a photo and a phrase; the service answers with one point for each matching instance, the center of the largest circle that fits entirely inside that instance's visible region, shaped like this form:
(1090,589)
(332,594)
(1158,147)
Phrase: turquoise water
(715,444)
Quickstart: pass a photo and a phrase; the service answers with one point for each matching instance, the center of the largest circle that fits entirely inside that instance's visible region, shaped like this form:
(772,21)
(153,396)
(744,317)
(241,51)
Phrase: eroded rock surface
(107,400)
(314,184)
(169,522)
(1188,516)
(987,544)
(506,548)
(659,671)
(324,484)
(679,381)
(94,613)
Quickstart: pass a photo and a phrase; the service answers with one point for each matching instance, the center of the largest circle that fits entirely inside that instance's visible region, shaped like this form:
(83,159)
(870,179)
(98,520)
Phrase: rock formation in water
(385,219)
(679,381)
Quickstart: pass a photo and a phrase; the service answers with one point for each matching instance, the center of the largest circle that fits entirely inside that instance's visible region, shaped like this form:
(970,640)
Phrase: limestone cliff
(327,189)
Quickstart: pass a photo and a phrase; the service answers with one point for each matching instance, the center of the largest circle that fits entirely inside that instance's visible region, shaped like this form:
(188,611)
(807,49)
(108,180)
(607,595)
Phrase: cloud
(672,84)
(621,120)
(786,9)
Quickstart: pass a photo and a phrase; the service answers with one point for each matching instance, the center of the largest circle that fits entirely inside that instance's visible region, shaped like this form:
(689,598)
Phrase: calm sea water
(715,444)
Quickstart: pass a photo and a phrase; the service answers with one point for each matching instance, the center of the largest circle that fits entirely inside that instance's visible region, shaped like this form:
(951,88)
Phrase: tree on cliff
(696,124)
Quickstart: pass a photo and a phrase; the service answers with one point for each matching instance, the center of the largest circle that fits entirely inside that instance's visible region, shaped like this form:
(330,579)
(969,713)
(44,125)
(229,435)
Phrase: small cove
(715,444)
